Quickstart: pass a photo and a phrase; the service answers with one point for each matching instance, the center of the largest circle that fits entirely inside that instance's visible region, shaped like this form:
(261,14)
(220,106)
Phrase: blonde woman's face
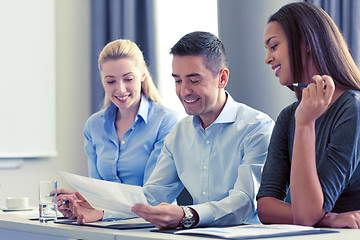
(122,83)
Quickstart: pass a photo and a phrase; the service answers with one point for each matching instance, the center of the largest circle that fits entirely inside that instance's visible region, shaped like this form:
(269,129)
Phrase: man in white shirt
(217,152)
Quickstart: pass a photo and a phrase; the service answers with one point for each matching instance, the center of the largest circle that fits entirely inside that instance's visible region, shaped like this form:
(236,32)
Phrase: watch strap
(188,219)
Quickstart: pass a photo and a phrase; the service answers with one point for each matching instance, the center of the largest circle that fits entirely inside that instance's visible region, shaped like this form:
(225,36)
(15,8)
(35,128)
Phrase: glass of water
(47,208)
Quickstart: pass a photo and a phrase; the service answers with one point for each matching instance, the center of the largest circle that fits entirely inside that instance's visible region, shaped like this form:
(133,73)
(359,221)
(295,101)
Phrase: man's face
(196,87)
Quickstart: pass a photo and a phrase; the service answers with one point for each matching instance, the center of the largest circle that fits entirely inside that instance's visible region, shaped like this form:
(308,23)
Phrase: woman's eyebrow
(268,40)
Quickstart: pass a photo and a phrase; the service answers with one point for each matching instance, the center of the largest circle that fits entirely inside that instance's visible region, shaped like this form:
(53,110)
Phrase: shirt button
(207,141)
(203,193)
(205,167)
(123,142)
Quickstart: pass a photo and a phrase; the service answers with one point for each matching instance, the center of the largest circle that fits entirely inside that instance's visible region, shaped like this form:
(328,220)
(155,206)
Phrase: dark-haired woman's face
(277,52)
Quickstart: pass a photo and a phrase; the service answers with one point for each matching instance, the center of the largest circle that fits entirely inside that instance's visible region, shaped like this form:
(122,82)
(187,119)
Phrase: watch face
(188,220)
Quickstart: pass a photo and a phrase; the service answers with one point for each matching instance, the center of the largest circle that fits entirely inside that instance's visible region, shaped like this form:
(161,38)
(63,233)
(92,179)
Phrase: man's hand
(82,210)
(341,220)
(162,216)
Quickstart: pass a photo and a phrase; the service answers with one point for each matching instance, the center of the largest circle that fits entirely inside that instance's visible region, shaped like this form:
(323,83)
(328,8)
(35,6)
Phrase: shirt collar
(227,115)
(229,112)
(144,108)
(111,110)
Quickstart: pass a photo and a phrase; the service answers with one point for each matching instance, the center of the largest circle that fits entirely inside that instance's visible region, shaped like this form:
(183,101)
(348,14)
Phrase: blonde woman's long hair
(123,48)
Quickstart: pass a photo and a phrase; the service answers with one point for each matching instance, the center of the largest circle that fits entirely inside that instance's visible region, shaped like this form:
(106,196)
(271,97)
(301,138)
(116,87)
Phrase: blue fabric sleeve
(165,127)
(90,152)
(276,173)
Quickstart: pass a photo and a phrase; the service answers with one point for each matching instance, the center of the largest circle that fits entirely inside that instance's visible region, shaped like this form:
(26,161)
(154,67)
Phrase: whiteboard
(27,79)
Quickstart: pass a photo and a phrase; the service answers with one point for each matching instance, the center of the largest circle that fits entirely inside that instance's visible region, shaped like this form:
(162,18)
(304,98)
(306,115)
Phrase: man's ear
(223,77)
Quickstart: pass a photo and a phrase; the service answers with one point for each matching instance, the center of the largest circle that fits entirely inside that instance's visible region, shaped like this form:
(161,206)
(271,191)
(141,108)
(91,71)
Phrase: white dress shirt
(220,166)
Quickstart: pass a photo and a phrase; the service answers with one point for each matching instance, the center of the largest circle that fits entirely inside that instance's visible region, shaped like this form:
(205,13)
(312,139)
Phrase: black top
(337,154)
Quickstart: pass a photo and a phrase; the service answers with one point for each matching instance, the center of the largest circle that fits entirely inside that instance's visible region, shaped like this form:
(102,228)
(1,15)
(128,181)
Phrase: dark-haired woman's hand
(341,220)
(316,99)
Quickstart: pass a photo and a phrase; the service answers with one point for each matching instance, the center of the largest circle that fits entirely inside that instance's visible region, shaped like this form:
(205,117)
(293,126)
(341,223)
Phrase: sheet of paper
(110,196)
(131,223)
(252,230)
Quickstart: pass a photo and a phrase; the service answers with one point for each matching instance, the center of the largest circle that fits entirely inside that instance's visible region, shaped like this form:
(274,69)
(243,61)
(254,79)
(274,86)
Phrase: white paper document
(130,223)
(253,230)
(110,196)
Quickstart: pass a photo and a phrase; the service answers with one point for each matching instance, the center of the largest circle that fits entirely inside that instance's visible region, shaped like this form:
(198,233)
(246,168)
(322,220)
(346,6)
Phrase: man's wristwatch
(189,219)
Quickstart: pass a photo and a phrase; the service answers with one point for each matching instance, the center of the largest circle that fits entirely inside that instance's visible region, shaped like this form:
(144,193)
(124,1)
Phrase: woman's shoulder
(95,117)
(352,96)
(159,109)
(348,102)
(289,110)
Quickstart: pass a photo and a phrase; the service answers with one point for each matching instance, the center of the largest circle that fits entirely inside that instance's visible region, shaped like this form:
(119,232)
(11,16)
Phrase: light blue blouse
(220,166)
(133,160)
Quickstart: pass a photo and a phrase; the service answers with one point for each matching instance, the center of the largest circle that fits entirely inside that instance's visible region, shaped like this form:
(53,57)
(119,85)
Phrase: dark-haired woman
(314,151)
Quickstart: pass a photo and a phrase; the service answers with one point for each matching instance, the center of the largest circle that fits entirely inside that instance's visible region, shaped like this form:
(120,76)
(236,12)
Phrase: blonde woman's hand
(83,211)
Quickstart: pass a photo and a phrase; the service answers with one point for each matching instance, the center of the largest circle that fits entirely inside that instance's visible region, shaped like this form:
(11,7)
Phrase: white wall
(27,125)
(72,105)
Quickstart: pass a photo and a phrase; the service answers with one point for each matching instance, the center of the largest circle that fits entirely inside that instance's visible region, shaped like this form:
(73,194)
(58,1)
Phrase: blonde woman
(124,139)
